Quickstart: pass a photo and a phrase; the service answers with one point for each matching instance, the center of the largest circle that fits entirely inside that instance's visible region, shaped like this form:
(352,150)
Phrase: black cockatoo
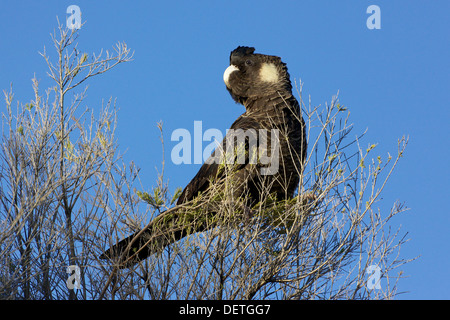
(272,124)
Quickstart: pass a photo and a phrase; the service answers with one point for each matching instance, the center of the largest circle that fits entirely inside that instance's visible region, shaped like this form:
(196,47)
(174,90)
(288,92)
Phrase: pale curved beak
(228,71)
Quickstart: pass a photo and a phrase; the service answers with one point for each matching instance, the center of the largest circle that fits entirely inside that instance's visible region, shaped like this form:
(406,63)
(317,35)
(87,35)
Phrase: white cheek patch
(268,72)
(228,71)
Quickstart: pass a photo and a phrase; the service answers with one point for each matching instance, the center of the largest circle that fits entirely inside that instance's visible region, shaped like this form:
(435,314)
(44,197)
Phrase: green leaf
(153,200)
(70,151)
(75,72)
(101,139)
(83,58)
(361,164)
(371,147)
(176,195)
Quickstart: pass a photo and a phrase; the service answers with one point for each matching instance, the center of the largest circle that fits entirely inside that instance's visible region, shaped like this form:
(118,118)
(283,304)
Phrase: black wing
(209,171)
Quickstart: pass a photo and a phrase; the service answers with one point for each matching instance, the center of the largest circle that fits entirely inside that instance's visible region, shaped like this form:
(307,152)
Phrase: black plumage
(262,84)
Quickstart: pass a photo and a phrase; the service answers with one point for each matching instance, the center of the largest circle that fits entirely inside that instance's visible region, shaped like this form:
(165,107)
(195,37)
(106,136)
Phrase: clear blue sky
(395,81)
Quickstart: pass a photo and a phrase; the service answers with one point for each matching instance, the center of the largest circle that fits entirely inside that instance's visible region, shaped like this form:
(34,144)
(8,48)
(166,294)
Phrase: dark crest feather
(242,51)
